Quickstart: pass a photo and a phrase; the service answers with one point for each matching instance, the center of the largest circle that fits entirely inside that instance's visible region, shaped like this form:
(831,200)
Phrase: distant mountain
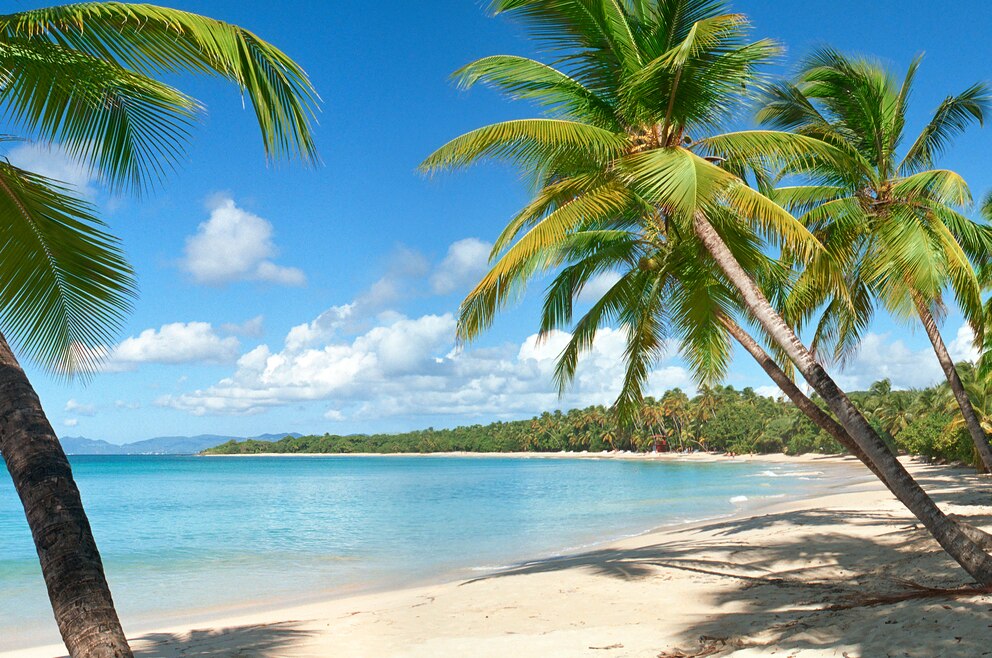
(161,445)
(79,445)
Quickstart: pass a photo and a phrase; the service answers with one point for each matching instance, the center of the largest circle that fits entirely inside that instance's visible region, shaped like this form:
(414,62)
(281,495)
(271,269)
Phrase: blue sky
(275,298)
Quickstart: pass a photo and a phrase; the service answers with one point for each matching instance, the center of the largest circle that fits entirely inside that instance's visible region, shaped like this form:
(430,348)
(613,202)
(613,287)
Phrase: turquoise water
(206,535)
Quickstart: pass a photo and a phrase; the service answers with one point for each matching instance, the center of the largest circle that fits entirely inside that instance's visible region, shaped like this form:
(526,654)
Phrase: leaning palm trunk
(823,420)
(69,557)
(978,435)
(947,533)
(810,409)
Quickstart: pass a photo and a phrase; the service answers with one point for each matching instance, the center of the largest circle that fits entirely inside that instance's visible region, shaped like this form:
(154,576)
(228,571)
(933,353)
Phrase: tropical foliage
(720,419)
(632,174)
(889,218)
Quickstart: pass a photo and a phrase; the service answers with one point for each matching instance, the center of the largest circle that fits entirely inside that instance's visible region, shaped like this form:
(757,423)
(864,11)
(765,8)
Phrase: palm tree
(979,390)
(81,76)
(890,217)
(634,87)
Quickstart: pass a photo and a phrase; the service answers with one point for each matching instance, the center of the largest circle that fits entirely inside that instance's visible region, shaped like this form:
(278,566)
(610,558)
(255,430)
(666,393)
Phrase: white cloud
(235,245)
(408,367)
(124,404)
(253,328)
(179,342)
(54,162)
(79,409)
(462,267)
(963,347)
(406,267)
(773,392)
(70,422)
(880,357)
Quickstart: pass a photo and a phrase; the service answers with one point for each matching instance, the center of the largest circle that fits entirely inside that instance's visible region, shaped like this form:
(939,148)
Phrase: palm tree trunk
(978,435)
(824,421)
(818,416)
(947,533)
(69,557)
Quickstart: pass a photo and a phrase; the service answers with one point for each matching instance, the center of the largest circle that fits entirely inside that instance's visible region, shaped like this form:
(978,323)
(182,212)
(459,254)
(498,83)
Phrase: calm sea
(205,536)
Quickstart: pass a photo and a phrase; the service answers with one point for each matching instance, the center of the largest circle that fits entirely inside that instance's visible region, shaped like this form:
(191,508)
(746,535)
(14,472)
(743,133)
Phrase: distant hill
(161,445)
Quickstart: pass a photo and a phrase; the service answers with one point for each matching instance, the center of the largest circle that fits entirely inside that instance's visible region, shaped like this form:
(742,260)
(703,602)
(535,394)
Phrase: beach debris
(708,646)
(429,600)
(608,647)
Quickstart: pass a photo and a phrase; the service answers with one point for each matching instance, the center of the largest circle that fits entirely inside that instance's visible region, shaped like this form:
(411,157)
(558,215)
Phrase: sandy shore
(621,455)
(796,580)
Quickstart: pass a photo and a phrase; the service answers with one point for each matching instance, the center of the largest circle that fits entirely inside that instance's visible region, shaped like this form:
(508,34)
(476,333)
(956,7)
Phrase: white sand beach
(816,578)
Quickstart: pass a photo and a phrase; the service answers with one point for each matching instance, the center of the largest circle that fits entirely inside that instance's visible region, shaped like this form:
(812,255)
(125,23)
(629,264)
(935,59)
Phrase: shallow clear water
(197,535)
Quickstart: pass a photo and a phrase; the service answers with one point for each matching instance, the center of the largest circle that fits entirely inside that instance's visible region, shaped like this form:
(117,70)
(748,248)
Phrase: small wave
(739,499)
(802,475)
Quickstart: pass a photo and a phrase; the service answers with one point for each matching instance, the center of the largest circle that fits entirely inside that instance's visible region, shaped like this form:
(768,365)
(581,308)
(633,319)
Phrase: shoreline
(570,593)
(839,470)
(697,457)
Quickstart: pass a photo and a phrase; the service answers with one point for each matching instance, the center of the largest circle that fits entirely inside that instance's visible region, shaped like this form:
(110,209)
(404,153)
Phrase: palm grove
(806,226)
(720,418)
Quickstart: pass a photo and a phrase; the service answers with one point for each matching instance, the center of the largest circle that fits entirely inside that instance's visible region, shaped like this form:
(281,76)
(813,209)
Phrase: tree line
(924,422)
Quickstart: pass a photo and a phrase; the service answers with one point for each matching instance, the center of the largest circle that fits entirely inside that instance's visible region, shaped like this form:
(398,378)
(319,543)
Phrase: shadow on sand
(256,641)
(818,589)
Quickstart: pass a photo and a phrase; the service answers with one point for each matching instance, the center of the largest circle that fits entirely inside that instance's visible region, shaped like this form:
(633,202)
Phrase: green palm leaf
(527,143)
(67,285)
(523,78)
(148,39)
(940,185)
(132,128)
(955,115)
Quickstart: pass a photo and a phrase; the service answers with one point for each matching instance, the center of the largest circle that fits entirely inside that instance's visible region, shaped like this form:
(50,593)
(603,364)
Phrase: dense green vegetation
(923,422)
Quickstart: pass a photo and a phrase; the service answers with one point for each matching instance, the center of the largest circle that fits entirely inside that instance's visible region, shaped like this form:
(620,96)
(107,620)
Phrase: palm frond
(148,39)
(524,78)
(528,143)
(66,284)
(605,310)
(130,128)
(790,151)
(939,185)
(954,116)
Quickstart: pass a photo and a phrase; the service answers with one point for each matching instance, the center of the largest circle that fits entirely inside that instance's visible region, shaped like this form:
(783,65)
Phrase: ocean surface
(189,537)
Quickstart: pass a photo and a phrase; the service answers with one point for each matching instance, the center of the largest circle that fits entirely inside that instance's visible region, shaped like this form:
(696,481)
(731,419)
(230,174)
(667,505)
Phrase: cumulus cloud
(773,392)
(408,367)
(962,347)
(79,409)
(405,268)
(462,267)
(236,245)
(881,357)
(126,405)
(366,360)
(175,343)
(71,422)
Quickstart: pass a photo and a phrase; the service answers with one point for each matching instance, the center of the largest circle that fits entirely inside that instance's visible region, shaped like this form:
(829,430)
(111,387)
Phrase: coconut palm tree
(83,76)
(634,99)
(892,219)
(979,390)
